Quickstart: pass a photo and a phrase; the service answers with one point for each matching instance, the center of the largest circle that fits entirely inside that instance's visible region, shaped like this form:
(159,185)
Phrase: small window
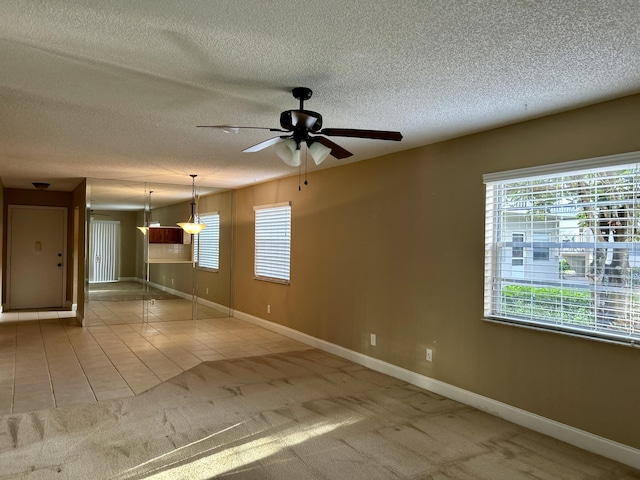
(517,250)
(273,242)
(206,245)
(562,249)
(540,246)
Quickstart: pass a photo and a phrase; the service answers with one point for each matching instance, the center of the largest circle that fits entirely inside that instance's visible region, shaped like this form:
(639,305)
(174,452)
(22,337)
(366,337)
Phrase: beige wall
(79,202)
(2,243)
(394,246)
(218,283)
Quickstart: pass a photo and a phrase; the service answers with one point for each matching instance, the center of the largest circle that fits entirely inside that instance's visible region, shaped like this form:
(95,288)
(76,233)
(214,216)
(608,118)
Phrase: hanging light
(289,152)
(145,228)
(318,152)
(190,226)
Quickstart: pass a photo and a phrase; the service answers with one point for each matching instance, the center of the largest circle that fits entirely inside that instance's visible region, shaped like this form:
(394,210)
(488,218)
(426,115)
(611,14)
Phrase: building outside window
(562,247)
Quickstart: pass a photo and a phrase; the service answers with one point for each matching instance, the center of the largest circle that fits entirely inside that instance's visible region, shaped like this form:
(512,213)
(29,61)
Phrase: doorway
(37,245)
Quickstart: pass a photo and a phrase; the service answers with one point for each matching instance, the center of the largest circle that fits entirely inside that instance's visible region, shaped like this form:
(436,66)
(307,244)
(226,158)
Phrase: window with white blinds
(273,242)
(206,245)
(562,248)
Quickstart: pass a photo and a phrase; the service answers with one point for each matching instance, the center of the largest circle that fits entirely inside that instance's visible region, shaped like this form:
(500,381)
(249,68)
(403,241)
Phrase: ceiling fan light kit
(305,126)
(289,152)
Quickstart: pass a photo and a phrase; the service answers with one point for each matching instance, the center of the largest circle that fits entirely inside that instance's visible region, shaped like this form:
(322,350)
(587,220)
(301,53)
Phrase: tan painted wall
(394,246)
(79,201)
(218,283)
(2,243)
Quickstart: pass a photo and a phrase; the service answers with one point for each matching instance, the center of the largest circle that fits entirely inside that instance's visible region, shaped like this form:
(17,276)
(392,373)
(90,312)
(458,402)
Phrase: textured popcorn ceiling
(114,89)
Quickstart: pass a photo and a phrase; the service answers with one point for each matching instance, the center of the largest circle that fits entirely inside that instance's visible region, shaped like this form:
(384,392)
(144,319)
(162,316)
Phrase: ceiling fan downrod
(302,94)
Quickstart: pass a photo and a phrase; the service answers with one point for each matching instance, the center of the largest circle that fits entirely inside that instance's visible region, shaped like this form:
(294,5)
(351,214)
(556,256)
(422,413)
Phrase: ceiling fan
(305,127)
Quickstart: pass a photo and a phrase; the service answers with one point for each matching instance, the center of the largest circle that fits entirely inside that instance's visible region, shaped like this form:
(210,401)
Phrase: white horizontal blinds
(273,242)
(206,245)
(562,251)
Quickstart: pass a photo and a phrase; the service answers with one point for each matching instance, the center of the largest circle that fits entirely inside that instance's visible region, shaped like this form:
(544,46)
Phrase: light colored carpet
(298,415)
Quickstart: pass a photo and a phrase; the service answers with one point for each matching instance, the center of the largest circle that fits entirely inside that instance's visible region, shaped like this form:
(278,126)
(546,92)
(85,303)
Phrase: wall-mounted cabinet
(173,235)
(169,245)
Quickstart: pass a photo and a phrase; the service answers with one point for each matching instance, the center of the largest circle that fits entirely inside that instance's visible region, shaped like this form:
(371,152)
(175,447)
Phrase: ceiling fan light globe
(319,152)
(289,153)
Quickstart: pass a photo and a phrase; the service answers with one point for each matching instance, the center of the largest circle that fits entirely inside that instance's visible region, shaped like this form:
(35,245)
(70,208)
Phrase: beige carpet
(300,415)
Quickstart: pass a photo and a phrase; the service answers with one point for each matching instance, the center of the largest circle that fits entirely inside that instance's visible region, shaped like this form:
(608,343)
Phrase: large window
(562,247)
(206,245)
(273,242)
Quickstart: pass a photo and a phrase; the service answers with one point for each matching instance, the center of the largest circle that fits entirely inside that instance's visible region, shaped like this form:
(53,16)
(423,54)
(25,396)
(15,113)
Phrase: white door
(104,241)
(37,254)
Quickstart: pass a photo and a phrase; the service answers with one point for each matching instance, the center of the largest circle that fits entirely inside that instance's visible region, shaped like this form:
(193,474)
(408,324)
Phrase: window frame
(279,248)
(197,240)
(627,334)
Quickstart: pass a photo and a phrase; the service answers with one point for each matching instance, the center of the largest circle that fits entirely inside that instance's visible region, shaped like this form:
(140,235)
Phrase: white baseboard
(177,293)
(216,306)
(201,301)
(574,436)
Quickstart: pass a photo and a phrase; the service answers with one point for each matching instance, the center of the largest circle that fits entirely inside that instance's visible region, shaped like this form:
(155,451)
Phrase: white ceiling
(114,89)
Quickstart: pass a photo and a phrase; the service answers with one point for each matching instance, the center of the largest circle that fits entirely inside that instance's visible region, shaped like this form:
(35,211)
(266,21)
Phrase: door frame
(10,209)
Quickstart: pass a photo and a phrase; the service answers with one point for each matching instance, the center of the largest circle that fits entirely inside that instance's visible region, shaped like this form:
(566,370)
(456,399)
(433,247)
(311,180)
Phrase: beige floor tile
(143,384)
(164,376)
(51,361)
(21,380)
(111,394)
(72,389)
(137,374)
(132,367)
(108,385)
(79,399)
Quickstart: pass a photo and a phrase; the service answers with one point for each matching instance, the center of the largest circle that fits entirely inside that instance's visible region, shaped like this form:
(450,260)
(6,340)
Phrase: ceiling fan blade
(336,150)
(265,144)
(235,128)
(352,132)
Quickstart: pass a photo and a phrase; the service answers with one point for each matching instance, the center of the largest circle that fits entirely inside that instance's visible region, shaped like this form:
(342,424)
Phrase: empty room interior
(320,240)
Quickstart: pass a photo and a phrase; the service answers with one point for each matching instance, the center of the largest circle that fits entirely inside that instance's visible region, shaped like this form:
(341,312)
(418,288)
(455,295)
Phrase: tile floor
(47,360)
(114,313)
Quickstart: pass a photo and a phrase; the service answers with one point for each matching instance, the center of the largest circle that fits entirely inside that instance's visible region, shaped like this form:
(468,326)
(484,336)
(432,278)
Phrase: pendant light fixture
(190,226)
(145,228)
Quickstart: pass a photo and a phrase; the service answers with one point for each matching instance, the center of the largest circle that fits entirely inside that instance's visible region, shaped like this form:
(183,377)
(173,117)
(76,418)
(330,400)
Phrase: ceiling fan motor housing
(301,119)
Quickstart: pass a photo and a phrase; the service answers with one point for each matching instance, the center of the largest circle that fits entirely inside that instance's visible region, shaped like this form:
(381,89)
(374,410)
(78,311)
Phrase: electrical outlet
(429,355)
(153,302)
(268,308)
(373,339)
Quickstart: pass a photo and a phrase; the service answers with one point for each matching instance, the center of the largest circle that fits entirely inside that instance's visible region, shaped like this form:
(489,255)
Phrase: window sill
(272,280)
(570,333)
